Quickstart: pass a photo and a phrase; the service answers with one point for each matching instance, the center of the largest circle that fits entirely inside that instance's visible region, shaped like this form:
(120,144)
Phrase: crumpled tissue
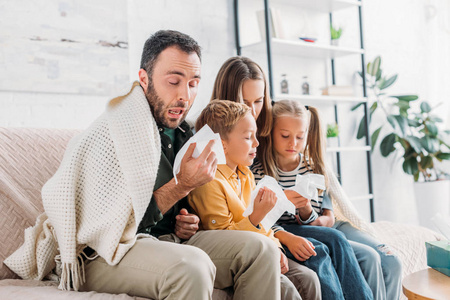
(307,185)
(283,204)
(202,138)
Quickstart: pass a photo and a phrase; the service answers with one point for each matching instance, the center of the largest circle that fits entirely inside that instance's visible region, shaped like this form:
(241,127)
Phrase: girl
(242,80)
(296,146)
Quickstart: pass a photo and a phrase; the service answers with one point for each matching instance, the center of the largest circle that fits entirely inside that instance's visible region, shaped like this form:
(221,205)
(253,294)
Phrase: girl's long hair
(314,150)
(229,82)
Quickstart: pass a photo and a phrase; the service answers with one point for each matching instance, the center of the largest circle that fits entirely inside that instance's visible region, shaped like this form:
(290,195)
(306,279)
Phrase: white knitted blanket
(98,196)
(343,207)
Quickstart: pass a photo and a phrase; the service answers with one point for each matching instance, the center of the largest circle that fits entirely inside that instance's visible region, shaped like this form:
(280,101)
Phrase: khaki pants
(246,261)
(305,281)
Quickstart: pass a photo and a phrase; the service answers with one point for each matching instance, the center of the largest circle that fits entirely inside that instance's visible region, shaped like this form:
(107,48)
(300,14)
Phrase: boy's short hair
(222,116)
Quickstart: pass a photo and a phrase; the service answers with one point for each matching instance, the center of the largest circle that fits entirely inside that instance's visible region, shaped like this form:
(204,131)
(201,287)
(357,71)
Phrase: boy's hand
(195,172)
(301,248)
(264,202)
(284,263)
(186,224)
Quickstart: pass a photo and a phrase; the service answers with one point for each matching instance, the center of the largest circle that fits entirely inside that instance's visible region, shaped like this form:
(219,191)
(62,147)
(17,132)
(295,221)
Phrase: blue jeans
(382,269)
(335,264)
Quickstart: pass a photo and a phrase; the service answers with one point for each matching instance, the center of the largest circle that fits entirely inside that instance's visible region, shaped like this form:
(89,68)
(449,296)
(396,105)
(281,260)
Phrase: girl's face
(253,95)
(240,145)
(289,136)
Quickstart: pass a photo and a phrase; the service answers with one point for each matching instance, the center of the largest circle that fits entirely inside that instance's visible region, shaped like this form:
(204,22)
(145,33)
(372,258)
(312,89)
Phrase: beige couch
(29,157)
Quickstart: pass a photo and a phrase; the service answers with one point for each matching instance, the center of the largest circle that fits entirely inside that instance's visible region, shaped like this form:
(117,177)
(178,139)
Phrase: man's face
(173,86)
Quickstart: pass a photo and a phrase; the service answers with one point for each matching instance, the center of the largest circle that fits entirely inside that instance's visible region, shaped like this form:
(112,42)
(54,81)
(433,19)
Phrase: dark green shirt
(153,221)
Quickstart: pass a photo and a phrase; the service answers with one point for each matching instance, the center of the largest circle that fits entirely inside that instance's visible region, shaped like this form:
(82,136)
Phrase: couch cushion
(407,242)
(28,158)
(11,289)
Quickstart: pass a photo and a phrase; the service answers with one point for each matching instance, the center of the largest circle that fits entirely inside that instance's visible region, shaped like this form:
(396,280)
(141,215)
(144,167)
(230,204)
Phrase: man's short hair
(163,39)
(222,116)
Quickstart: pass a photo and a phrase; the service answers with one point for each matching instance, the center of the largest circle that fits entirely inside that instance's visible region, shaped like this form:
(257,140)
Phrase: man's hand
(186,224)
(284,263)
(195,172)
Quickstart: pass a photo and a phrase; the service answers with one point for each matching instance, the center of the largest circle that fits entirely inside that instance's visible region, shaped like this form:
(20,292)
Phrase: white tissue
(307,185)
(202,138)
(282,205)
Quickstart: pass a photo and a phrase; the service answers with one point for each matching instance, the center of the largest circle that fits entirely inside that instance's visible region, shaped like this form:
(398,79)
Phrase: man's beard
(158,109)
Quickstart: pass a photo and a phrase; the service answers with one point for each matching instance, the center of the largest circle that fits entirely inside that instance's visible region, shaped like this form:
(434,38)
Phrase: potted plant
(332,134)
(415,135)
(335,35)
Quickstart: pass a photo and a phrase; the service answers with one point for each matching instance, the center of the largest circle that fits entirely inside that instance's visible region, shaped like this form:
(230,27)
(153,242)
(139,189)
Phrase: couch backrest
(28,158)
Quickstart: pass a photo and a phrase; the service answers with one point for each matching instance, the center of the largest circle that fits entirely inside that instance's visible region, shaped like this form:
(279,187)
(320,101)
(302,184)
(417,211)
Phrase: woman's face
(253,95)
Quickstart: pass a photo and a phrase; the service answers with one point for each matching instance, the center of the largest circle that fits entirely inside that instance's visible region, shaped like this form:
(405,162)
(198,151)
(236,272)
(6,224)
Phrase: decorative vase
(335,42)
(432,197)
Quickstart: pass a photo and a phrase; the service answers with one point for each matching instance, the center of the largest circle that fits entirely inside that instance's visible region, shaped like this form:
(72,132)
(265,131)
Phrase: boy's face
(289,137)
(240,146)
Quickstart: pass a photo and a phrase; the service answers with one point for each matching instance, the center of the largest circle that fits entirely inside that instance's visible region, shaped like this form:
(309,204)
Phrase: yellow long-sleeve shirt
(220,203)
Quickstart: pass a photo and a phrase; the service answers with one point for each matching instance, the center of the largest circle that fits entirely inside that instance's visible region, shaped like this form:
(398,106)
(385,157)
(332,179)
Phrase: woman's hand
(264,202)
(284,263)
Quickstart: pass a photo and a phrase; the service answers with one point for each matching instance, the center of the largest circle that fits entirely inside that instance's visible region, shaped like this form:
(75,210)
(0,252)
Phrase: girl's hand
(326,220)
(301,248)
(264,202)
(284,263)
(298,200)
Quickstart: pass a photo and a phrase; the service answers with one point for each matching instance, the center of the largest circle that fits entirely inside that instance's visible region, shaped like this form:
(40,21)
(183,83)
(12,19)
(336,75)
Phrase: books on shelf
(338,90)
(275,24)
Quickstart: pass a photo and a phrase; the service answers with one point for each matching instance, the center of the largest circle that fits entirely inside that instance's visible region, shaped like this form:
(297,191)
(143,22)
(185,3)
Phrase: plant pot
(332,142)
(431,198)
(335,42)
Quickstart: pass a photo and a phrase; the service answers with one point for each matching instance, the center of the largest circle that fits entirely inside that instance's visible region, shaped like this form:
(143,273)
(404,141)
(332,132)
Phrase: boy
(221,202)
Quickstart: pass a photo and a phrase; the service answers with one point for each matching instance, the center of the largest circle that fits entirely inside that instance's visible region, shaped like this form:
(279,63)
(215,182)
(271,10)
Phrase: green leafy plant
(335,33)
(414,131)
(332,130)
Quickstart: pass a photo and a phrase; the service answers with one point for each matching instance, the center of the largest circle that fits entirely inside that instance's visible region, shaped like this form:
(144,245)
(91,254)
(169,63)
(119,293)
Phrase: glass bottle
(284,85)
(305,86)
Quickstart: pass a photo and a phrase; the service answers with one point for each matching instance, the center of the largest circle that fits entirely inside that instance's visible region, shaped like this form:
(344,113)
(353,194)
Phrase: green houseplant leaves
(414,132)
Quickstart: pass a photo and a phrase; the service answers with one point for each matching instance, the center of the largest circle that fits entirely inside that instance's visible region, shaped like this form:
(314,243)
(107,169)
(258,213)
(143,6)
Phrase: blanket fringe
(72,275)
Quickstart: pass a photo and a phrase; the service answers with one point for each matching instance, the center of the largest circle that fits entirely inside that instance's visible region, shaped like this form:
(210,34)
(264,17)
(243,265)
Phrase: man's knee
(195,267)
(257,245)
